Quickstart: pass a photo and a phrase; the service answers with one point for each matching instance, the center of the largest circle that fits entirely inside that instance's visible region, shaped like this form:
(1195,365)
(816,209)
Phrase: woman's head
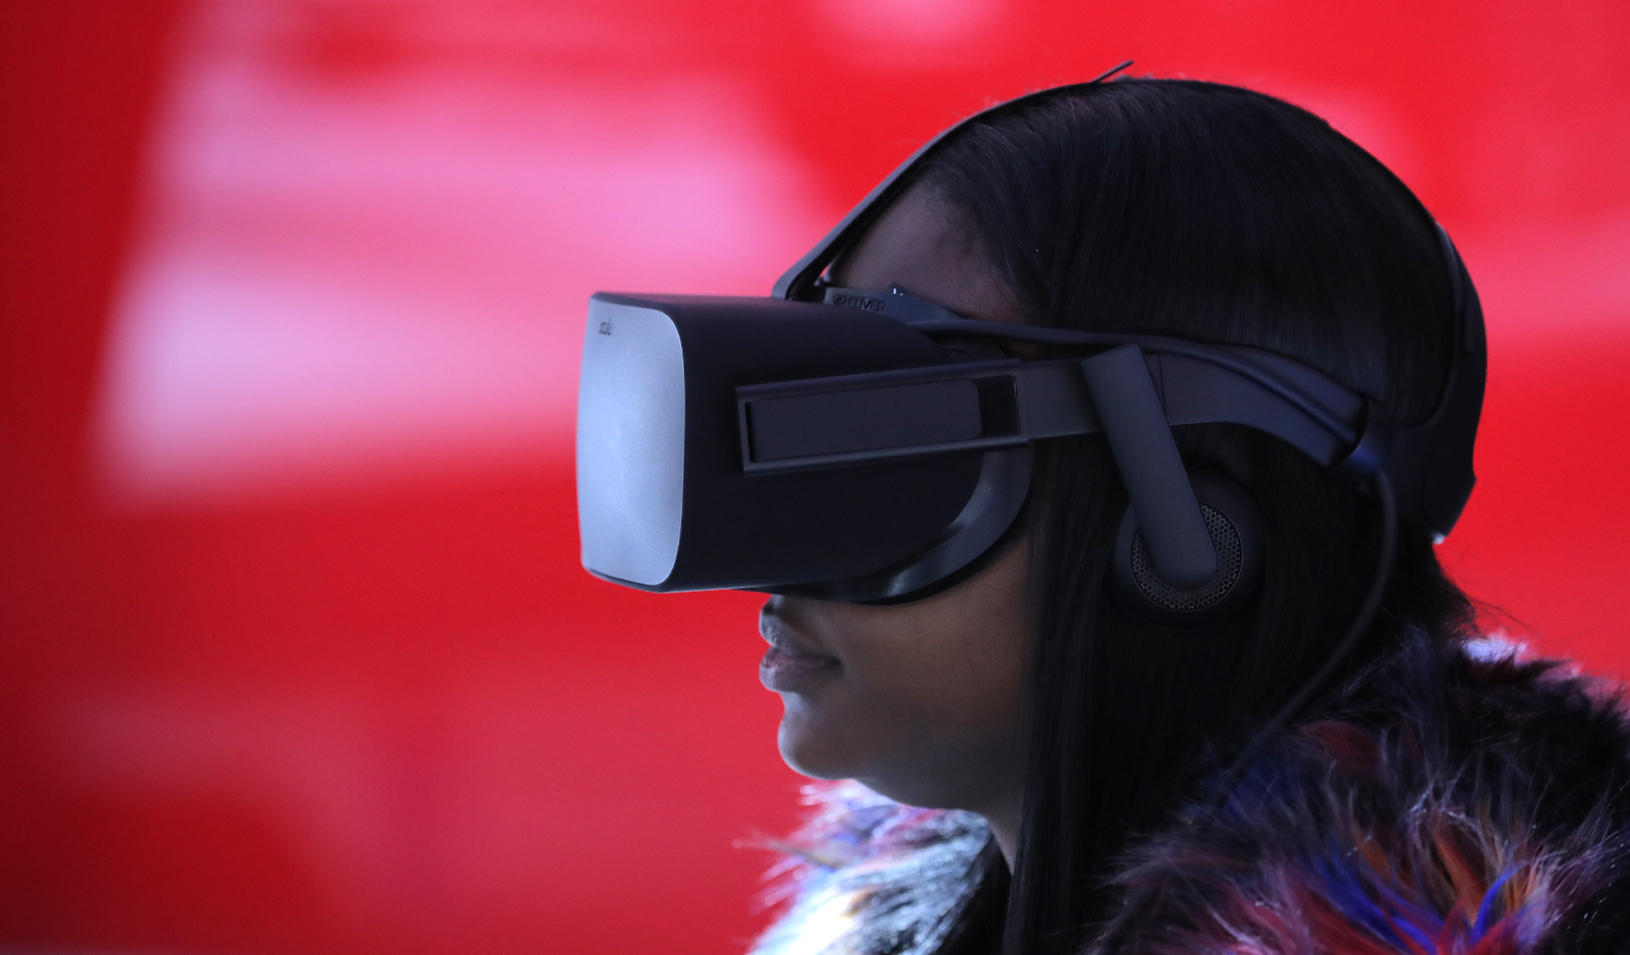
(1220,215)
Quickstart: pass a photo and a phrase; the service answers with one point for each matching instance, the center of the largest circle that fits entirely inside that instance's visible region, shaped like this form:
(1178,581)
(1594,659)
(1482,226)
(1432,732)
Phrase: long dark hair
(1222,215)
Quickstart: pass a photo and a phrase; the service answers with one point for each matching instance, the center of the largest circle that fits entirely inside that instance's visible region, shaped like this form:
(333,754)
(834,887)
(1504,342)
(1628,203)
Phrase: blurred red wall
(295,654)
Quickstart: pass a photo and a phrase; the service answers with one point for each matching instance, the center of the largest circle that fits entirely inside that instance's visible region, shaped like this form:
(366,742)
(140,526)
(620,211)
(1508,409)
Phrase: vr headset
(867,445)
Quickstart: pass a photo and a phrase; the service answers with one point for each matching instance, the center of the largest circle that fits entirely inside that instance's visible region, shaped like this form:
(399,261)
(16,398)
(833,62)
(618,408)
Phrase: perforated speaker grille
(1230,559)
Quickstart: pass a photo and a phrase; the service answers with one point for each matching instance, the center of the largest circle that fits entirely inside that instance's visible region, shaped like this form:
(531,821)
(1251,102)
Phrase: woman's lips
(786,671)
(787,667)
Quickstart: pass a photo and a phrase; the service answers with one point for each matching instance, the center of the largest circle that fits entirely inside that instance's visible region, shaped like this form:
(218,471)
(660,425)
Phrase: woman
(1096,782)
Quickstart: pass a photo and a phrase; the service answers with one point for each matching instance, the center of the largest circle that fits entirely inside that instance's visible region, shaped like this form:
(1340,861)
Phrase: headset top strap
(799,282)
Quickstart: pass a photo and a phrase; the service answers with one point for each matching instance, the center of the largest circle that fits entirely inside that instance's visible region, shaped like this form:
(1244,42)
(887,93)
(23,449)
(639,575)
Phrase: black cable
(1366,612)
(1315,684)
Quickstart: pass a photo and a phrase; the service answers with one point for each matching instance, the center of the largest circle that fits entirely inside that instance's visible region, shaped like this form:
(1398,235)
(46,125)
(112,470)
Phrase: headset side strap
(1162,497)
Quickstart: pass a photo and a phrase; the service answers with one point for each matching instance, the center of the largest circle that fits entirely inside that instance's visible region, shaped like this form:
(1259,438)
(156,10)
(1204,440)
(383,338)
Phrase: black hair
(1217,214)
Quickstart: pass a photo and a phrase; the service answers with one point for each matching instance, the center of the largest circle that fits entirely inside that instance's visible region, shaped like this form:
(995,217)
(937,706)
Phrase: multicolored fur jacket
(1459,801)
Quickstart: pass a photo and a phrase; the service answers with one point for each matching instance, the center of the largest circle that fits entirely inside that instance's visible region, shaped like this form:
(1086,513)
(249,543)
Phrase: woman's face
(923,701)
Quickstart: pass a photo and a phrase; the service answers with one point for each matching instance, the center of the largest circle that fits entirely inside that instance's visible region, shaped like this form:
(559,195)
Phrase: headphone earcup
(1236,532)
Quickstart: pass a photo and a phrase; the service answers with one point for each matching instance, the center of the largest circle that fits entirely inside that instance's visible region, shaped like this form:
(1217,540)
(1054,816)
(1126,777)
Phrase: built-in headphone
(1235,528)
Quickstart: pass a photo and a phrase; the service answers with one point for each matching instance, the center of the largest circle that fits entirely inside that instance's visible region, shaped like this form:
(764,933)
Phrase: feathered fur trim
(1457,803)
(868,875)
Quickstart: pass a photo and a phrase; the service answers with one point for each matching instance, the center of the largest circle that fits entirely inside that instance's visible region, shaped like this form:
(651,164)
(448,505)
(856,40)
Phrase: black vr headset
(868,445)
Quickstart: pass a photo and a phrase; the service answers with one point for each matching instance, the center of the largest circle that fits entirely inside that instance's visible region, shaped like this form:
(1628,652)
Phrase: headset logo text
(858,301)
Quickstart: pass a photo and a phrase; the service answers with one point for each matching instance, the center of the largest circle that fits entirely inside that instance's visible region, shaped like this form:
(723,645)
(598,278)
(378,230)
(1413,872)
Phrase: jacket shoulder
(1459,800)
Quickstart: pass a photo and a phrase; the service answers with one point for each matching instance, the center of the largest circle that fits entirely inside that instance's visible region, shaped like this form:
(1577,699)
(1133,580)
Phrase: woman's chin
(810,751)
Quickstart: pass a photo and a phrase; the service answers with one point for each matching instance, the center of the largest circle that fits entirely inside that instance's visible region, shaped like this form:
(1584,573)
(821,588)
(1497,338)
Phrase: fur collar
(1460,802)
(867,875)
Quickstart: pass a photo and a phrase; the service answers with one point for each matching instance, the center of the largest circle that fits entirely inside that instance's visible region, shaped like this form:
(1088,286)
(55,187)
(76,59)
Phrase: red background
(295,654)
